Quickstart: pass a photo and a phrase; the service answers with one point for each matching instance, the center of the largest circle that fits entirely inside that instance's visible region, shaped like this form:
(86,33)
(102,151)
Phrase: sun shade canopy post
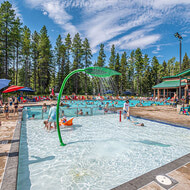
(94,71)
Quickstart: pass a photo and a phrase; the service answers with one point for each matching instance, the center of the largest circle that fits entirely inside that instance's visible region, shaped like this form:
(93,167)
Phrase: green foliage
(101,57)
(28,59)
(112,60)
(186,63)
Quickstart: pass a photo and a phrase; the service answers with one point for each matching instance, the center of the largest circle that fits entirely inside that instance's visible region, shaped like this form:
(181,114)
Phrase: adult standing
(52,116)
(126,109)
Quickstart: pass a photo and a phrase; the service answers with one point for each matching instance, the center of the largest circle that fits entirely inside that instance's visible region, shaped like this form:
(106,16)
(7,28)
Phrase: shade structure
(101,72)
(109,92)
(4,83)
(127,93)
(94,71)
(26,89)
(12,89)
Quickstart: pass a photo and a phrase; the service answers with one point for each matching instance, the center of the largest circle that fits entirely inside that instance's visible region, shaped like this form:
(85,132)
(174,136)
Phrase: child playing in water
(135,122)
(46,124)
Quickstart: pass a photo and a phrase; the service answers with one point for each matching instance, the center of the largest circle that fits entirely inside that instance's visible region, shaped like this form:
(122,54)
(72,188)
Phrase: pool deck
(166,114)
(178,171)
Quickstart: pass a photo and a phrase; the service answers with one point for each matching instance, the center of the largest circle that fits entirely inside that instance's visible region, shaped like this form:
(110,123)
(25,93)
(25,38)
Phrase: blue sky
(129,24)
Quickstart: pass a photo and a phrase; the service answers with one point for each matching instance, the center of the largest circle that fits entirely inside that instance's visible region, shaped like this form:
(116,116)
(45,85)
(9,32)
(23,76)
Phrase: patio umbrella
(12,89)
(4,83)
(109,92)
(26,89)
(127,93)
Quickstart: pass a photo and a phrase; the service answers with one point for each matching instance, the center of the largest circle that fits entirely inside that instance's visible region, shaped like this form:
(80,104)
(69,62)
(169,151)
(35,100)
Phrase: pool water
(92,107)
(101,153)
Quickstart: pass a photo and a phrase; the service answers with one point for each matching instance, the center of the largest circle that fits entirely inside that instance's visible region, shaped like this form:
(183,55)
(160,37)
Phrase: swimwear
(52,114)
(6,109)
(126,107)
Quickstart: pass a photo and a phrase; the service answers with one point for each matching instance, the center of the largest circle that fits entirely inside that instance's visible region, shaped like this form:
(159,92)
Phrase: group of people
(10,107)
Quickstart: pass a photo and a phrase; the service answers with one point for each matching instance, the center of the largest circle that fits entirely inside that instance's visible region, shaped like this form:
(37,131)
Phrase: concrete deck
(167,114)
(6,135)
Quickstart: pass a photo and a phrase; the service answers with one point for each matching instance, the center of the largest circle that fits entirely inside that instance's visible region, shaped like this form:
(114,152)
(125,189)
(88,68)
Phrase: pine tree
(112,60)
(58,60)
(7,17)
(77,53)
(124,73)
(17,33)
(147,81)
(139,64)
(44,61)
(155,70)
(26,45)
(186,63)
(35,56)
(117,68)
(170,66)
(131,73)
(101,57)
(87,60)
(68,45)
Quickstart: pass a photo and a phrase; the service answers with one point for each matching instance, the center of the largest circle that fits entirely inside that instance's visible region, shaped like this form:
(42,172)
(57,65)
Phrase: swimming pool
(116,103)
(89,107)
(101,152)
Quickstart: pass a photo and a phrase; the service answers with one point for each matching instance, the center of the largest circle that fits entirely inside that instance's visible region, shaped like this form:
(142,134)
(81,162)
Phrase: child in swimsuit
(6,111)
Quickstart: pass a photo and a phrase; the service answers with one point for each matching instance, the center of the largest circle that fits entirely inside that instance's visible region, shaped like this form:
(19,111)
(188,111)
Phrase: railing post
(91,111)
(77,112)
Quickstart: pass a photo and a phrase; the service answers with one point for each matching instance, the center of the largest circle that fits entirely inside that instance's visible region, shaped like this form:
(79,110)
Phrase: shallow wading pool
(101,153)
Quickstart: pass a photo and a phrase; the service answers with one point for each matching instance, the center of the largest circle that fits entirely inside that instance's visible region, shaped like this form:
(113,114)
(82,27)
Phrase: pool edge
(9,181)
(150,176)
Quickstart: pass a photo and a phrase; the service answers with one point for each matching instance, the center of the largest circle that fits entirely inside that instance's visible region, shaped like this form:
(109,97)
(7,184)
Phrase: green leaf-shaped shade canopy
(101,72)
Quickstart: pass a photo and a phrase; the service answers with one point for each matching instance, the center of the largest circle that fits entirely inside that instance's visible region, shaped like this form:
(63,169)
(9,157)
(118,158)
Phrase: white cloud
(56,11)
(45,13)
(132,22)
(138,39)
(17,11)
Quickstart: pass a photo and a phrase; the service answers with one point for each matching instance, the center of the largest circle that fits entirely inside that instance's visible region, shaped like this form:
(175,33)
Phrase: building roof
(169,84)
(182,74)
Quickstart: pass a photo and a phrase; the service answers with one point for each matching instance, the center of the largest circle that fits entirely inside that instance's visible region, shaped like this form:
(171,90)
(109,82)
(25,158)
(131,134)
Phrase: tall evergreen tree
(155,70)
(44,61)
(87,60)
(58,59)
(117,68)
(35,56)
(186,63)
(77,53)
(139,65)
(112,60)
(101,57)
(17,33)
(147,81)
(68,45)
(131,73)
(26,45)
(7,17)
(124,72)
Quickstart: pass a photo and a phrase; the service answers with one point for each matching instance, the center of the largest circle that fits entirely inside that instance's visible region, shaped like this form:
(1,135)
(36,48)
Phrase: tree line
(29,59)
